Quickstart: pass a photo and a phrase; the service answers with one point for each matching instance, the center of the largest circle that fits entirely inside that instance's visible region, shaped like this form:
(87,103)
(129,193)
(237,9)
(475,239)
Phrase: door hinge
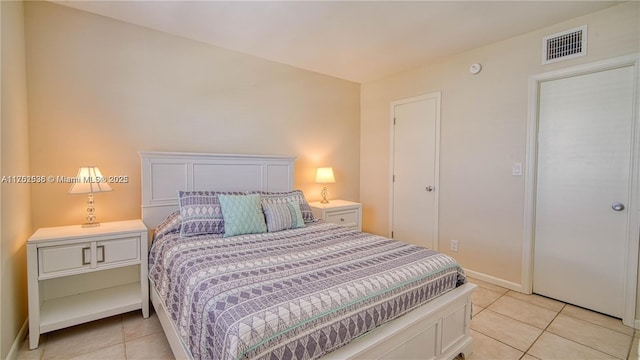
(393,179)
(394,121)
(392,234)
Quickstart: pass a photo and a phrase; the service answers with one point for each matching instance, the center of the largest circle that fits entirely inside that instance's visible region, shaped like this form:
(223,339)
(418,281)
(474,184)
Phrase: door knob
(616,206)
(429,188)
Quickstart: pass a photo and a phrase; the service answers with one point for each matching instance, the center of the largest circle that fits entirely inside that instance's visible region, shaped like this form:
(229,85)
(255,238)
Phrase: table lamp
(324,175)
(90,181)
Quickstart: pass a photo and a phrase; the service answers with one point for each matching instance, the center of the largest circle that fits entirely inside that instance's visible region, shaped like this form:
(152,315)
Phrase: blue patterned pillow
(283,216)
(242,214)
(286,197)
(200,212)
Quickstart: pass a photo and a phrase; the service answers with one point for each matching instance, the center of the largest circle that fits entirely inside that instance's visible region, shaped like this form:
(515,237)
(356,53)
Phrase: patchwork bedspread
(293,294)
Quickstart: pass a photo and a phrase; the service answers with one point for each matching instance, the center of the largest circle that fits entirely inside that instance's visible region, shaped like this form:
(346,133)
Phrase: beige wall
(101,90)
(15,219)
(483,132)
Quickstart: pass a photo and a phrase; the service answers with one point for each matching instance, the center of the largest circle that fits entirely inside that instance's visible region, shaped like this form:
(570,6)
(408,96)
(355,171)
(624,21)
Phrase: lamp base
(324,194)
(91,211)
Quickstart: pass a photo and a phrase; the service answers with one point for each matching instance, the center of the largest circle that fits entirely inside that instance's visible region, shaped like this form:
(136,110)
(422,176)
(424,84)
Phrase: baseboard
(17,342)
(494,280)
(636,324)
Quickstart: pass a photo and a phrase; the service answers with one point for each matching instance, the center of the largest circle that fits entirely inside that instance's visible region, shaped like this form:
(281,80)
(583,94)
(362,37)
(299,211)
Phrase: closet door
(583,186)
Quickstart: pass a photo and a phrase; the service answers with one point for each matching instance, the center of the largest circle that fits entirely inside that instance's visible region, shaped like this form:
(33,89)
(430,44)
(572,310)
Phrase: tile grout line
(573,317)
(491,337)
(549,324)
(585,345)
(602,326)
(630,347)
(484,308)
(596,324)
(44,345)
(41,357)
(558,312)
(124,338)
(544,330)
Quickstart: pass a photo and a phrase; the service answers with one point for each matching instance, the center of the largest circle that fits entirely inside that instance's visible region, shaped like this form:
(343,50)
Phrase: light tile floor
(127,336)
(511,325)
(505,325)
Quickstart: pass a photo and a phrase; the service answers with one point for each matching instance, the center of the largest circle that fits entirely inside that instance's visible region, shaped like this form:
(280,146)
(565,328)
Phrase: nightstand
(340,212)
(76,275)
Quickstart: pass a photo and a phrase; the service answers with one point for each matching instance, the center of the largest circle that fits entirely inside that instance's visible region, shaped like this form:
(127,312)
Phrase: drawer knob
(341,219)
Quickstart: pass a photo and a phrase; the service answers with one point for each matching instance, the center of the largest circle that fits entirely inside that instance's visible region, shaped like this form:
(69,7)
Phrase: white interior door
(583,176)
(415,142)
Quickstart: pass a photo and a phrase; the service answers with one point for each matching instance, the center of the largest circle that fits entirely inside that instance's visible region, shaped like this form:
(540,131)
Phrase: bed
(312,289)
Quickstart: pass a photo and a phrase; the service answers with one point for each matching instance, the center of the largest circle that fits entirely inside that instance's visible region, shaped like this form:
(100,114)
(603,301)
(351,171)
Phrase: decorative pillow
(242,214)
(286,197)
(283,216)
(201,213)
(170,224)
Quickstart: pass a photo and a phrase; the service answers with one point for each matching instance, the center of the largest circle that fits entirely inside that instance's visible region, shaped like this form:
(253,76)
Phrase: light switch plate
(516,170)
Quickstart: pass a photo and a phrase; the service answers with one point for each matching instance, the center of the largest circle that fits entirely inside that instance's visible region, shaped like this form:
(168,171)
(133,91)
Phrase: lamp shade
(89,181)
(324,175)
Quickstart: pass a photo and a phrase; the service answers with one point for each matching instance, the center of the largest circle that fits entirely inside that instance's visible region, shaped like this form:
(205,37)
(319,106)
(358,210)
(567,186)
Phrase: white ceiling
(354,40)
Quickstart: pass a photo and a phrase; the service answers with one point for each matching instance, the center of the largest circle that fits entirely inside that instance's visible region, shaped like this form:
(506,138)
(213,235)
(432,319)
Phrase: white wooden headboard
(165,173)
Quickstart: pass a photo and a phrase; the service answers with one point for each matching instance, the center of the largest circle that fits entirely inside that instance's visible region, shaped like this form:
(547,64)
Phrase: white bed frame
(436,330)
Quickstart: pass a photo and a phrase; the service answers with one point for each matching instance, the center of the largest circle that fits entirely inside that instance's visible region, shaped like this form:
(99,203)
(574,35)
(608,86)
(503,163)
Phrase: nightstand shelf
(341,212)
(77,309)
(77,275)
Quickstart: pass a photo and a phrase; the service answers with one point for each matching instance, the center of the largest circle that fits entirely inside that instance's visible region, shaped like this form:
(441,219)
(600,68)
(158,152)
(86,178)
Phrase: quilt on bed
(294,294)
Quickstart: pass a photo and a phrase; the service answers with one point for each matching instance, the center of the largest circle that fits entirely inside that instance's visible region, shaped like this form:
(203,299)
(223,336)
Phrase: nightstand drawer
(347,218)
(60,258)
(118,251)
(341,212)
(78,257)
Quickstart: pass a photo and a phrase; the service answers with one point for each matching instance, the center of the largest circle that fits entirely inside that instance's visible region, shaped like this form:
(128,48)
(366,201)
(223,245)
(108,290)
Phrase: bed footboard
(436,330)
(439,329)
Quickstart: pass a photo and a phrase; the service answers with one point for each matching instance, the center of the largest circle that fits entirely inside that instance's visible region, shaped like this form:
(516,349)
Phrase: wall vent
(564,45)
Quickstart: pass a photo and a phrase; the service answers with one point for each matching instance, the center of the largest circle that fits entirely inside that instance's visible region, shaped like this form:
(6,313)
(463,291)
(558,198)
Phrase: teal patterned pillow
(242,214)
(283,216)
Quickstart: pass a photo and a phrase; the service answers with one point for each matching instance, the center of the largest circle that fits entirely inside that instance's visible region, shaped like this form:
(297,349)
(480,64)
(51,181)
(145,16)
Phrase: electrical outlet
(454,245)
